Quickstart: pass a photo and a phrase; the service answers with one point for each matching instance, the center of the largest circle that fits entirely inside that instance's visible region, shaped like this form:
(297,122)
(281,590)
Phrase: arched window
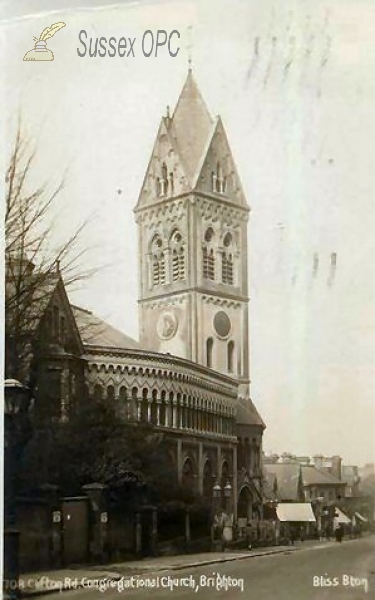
(157,261)
(227,260)
(171,184)
(230,361)
(209,351)
(178,256)
(110,392)
(208,257)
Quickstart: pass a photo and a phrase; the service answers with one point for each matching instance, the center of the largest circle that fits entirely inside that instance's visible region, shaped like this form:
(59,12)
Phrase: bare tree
(33,260)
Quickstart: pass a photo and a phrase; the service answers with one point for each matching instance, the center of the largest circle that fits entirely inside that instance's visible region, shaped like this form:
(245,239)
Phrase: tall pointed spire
(192,125)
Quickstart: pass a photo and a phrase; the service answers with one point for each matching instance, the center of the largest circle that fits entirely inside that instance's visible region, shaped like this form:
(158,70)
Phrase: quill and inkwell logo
(40,51)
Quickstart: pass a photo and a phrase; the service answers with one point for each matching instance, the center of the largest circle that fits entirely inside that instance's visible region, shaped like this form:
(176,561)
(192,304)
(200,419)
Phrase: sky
(293,84)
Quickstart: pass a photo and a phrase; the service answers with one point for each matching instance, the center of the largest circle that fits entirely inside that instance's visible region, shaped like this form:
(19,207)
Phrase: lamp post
(216,502)
(228,523)
(228,496)
(319,503)
(16,434)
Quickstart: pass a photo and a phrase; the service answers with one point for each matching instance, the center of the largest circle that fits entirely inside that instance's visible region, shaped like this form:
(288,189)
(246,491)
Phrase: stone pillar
(187,527)
(149,406)
(174,414)
(218,459)
(200,468)
(158,412)
(52,496)
(179,461)
(235,483)
(97,494)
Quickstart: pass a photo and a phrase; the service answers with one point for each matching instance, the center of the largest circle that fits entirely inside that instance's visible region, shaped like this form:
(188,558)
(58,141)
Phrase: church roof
(247,414)
(191,126)
(95,331)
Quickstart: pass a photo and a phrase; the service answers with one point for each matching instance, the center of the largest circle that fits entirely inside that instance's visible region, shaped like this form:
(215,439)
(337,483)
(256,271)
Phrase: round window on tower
(222,324)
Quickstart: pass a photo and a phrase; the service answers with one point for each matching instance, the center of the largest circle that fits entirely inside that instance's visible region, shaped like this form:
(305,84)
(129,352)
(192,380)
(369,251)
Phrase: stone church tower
(192,223)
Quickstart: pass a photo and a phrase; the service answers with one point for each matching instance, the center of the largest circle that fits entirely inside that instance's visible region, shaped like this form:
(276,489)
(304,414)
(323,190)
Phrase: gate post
(96,493)
(51,493)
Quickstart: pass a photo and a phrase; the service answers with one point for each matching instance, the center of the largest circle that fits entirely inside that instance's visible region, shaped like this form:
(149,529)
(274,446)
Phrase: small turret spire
(190,48)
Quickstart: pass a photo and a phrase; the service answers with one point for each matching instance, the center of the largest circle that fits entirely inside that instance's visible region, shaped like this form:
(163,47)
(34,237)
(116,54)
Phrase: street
(333,570)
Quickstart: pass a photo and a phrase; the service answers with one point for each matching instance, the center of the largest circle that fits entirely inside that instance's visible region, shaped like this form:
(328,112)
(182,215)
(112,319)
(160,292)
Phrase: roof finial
(190,47)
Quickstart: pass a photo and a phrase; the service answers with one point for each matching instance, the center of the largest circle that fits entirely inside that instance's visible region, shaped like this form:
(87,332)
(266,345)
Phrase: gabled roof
(191,125)
(95,331)
(269,485)
(247,414)
(313,476)
(190,144)
(288,476)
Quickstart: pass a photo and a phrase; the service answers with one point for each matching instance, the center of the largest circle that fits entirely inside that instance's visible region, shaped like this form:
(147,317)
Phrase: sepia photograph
(188,299)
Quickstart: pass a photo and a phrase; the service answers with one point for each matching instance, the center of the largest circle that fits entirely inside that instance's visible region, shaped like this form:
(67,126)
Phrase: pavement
(47,582)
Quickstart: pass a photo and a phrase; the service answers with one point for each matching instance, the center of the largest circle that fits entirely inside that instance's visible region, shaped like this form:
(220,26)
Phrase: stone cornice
(179,369)
(212,296)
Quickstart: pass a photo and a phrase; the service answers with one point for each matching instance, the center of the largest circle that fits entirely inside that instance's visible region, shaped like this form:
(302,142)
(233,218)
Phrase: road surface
(333,571)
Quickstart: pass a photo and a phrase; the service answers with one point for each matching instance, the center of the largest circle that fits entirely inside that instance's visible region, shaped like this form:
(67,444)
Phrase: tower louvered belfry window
(208,256)
(157,262)
(227,260)
(178,256)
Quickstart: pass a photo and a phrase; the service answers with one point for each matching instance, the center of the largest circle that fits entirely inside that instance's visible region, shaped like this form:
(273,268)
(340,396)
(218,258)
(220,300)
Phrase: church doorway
(244,504)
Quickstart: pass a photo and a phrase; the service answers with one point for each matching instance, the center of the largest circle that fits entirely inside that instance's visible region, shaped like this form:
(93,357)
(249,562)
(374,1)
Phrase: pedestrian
(339,533)
(292,536)
(328,532)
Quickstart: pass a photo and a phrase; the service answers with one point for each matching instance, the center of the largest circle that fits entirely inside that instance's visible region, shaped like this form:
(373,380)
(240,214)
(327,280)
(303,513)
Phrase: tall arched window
(227,260)
(178,256)
(208,257)
(209,351)
(230,361)
(157,261)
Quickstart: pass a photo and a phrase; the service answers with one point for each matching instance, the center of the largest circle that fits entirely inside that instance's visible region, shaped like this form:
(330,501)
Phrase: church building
(188,375)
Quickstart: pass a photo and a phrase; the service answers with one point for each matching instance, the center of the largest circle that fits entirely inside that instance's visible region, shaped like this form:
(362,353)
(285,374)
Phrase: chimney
(336,466)
(318,461)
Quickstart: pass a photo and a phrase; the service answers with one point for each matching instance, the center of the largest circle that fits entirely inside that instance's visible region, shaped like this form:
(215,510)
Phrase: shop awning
(295,512)
(340,517)
(363,519)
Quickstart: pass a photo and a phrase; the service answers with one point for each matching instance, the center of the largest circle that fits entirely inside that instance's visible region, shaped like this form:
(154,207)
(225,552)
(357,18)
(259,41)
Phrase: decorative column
(174,413)
(187,527)
(235,484)
(158,412)
(200,468)
(179,461)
